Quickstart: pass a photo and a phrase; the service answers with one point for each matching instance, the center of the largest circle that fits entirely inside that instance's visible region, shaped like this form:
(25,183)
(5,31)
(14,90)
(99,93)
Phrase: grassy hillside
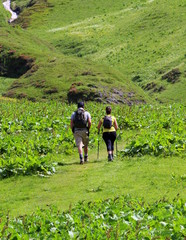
(39,71)
(132,46)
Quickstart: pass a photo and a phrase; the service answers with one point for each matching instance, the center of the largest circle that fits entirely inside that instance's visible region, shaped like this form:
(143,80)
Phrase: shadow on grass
(77,163)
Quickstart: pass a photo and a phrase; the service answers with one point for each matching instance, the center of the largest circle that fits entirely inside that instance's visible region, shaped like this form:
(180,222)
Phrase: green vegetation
(117,218)
(148,177)
(36,140)
(53,75)
(131,46)
(31,135)
(107,52)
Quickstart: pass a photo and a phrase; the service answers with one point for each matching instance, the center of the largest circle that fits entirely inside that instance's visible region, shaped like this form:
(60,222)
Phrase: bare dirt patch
(12,65)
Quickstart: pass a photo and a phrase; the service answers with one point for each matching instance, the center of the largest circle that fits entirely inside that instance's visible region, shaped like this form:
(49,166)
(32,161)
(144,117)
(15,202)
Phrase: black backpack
(107,122)
(79,120)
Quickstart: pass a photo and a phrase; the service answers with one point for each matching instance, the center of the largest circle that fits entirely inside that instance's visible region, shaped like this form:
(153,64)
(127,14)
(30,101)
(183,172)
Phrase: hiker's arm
(115,124)
(89,123)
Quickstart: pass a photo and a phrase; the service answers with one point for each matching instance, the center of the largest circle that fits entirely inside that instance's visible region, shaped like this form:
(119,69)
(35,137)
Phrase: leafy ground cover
(116,218)
(162,132)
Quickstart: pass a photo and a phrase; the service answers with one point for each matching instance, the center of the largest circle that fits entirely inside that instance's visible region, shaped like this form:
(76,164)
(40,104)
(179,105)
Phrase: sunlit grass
(138,40)
(150,178)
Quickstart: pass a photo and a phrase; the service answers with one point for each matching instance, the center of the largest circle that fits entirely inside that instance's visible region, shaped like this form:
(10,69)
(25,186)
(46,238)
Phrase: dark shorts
(109,138)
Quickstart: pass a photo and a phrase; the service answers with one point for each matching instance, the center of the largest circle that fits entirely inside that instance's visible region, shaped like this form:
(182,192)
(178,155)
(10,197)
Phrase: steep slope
(144,40)
(140,42)
(39,71)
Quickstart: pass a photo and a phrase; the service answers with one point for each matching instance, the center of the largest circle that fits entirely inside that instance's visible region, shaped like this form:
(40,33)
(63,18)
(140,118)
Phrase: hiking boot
(86,159)
(81,161)
(110,158)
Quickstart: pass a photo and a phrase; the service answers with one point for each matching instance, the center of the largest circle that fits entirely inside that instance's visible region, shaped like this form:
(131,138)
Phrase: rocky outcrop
(80,92)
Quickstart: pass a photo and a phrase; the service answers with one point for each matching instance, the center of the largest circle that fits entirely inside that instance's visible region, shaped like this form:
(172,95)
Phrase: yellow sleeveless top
(112,129)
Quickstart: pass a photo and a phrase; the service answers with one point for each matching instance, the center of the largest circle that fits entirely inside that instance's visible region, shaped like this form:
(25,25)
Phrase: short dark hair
(81,105)
(108,110)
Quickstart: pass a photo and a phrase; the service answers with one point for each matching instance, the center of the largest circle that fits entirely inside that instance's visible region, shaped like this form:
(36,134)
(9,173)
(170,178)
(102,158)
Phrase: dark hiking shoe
(86,159)
(81,161)
(110,158)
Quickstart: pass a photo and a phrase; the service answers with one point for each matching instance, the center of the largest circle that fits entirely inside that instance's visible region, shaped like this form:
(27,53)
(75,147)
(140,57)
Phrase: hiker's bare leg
(86,150)
(80,151)
(86,153)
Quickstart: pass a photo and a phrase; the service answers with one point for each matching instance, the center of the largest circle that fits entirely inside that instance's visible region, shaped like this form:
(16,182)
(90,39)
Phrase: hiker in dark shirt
(80,125)
(109,131)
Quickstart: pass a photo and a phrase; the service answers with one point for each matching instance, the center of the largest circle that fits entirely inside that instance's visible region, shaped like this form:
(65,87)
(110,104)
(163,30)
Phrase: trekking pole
(98,147)
(116,146)
(117,143)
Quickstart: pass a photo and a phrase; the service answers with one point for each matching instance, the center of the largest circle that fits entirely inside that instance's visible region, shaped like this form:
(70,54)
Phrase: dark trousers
(109,138)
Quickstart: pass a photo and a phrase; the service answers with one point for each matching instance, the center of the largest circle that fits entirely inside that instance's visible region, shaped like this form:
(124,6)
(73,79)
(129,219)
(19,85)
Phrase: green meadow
(43,182)
(128,54)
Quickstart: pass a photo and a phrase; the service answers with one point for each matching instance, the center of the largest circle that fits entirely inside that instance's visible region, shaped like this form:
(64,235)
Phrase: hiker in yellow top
(109,131)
